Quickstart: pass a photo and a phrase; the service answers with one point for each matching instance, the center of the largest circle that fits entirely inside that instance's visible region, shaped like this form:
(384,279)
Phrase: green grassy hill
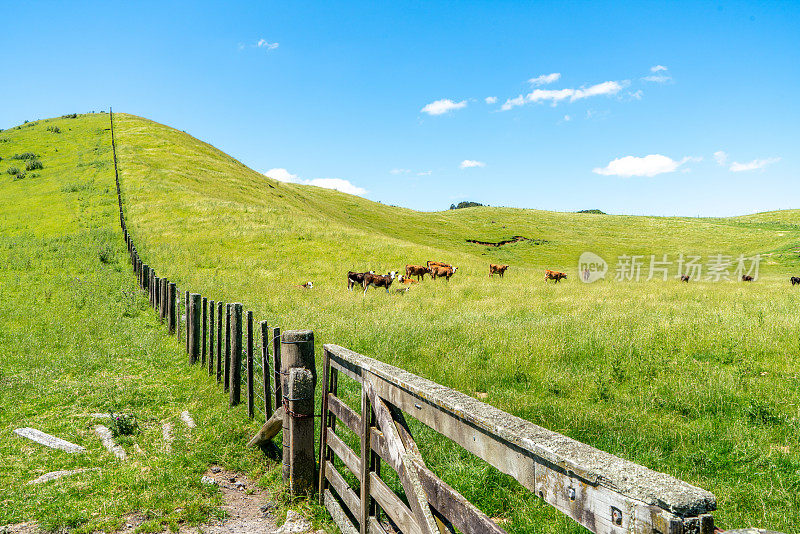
(78,338)
(697,380)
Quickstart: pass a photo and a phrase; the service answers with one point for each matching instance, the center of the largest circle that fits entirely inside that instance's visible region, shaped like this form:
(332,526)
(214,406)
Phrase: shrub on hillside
(24,155)
(106,254)
(54,129)
(464,204)
(12,170)
(123,424)
(70,116)
(19,176)
(33,165)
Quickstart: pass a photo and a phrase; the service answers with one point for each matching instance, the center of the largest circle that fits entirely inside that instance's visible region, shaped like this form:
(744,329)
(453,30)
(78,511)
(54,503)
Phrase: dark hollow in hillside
(514,239)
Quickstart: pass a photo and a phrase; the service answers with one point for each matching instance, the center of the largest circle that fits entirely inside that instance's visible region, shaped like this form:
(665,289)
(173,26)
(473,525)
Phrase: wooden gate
(604,493)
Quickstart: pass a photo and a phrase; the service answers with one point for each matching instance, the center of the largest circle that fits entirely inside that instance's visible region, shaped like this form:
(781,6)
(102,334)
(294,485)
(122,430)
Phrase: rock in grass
(47,440)
(166,433)
(208,481)
(55,475)
(108,442)
(187,418)
(295,524)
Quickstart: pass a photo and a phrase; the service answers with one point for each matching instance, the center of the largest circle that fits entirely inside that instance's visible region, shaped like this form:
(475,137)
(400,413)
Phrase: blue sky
(665,108)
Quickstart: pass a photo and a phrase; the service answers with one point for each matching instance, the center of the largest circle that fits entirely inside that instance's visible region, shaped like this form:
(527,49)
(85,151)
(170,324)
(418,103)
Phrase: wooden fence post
(276,356)
(171,307)
(227,372)
(164,299)
(299,372)
(250,389)
(145,275)
(186,318)
(219,342)
(211,352)
(265,365)
(235,386)
(204,338)
(194,331)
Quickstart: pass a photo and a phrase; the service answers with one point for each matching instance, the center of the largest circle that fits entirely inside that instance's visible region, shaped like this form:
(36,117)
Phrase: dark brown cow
(377,280)
(432,264)
(354,278)
(747,278)
(795,280)
(553,275)
(685,278)
(445,272)
(495,268)
(417,270)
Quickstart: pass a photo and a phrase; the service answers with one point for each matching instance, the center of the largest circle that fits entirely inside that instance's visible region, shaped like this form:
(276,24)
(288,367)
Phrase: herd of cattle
(437,269)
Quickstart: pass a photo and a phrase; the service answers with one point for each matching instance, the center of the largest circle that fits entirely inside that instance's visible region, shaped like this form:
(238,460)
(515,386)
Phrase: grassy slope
(696,380)
(78,338)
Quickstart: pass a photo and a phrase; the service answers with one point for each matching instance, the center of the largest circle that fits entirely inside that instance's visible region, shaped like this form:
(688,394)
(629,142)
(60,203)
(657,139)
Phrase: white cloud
(659,75)
(756,164)
(567,118)
(721,157)
(338,184)
(262,43)
(545,79)
(468,163)
(651,165)
(400,171)
(636,95)
(442,106)
(554,96)
(491,100)
(282,175)
(424,173)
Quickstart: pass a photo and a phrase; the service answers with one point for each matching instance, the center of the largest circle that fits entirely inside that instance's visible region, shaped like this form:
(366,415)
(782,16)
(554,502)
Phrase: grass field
(697,380)
(78,338)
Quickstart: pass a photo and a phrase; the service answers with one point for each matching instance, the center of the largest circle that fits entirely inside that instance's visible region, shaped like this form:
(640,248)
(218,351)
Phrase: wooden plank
(212,309)
(364,433)
(353,371)
(345,453)
(516,447)
(394,507)
(219,342)
(338,515)
(344,413)
(324,452)
(340,485)
(399,458)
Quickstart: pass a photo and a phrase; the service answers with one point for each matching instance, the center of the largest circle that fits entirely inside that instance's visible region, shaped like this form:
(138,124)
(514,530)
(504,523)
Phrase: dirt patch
(248,510)
(514,239)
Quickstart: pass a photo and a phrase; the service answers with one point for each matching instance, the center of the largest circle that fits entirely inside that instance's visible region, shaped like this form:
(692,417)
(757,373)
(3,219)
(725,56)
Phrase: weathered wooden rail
(604,493)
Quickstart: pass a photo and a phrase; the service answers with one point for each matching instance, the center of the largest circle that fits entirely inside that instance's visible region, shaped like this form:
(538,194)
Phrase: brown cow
(432,264)
(417,270)
(553,275)
(747,278)
(378,280)
(495,268)
(446,272)
(354,278)
(685,278)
